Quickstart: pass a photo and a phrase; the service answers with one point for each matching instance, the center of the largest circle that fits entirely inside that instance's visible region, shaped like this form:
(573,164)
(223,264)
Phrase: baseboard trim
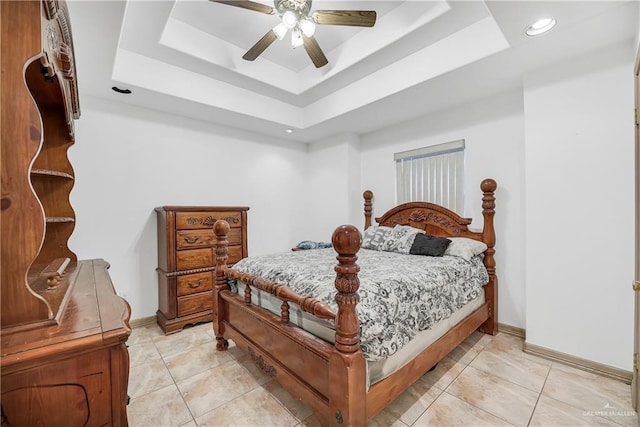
(512,330)
(143,321)
(578,362)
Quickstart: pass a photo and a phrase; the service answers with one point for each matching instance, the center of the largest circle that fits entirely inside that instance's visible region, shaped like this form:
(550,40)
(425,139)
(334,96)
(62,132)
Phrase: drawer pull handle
(191,240)
(195,285)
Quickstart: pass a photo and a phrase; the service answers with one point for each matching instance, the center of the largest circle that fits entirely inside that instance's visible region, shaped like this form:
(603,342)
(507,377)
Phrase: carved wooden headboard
(437,220)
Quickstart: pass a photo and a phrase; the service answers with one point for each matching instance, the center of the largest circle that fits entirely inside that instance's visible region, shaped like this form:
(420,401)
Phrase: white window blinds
(434,174)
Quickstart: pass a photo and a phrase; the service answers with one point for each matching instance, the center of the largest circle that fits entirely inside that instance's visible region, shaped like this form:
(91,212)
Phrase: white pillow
(375,236)
(400,239)
(464,247)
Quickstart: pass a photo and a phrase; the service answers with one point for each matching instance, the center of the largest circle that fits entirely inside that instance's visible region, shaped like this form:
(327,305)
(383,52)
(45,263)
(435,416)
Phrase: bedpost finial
(346,240)
(221,227)
(368,196)
(488,185)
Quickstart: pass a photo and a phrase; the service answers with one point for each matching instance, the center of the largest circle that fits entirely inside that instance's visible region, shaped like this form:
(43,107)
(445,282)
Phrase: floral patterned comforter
(400,295)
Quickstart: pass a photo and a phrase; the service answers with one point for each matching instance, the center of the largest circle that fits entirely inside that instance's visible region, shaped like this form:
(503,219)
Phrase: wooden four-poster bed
(332,377)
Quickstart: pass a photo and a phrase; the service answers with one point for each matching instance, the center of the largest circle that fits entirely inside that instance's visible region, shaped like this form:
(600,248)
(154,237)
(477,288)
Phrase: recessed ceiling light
(123,91)
(541,26)
(288,130)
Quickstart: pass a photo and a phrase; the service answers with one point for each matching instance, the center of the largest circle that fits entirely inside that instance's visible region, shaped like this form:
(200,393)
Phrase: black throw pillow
(423,244)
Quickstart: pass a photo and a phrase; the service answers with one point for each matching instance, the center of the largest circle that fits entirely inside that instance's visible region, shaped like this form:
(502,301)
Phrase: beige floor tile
(449,411)
(144,334)
(163,407)
(256,408)
(498,386)
(414,401)
(206,326)
(143,353)
(195,360)
(469,348)
(182,341)
(505,343)
(593,393)
(214,387)
(445,372)
(499,397)
(311,421)
(512,367)
(551,412)
(293,405)
(385,419)
(147,377)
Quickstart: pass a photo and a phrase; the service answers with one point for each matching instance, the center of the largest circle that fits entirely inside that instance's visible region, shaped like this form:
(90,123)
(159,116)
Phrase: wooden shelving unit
(63,329)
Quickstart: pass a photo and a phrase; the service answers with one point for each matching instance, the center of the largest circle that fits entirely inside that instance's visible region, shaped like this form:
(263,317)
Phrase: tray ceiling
(185,57)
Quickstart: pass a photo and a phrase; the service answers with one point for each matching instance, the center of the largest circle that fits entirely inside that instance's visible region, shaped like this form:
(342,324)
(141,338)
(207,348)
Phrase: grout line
(481,409)
(539,395)
(479,349)
(175,384)
(572,405)
(428,406)
(443,389)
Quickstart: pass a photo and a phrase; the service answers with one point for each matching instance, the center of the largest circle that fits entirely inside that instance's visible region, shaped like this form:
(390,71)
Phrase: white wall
(493,130)
(334,183)
(561,151)
(129,160)
(580,206)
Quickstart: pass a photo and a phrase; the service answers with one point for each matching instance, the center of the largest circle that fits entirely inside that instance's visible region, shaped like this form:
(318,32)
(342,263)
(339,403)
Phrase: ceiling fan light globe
(280,31)
(289,19)
(307,27)
(296,38)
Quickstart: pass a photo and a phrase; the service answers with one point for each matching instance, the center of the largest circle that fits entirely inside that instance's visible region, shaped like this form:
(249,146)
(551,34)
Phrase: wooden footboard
(331,378)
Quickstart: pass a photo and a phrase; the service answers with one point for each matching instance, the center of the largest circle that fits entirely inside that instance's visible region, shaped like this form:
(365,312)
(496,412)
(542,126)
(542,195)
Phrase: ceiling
(185,57)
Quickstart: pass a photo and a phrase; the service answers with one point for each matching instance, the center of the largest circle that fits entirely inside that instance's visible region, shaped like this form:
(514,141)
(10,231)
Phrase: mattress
(406,301)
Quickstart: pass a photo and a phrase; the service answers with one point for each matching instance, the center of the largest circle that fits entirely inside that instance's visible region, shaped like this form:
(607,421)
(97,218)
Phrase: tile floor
(181,380)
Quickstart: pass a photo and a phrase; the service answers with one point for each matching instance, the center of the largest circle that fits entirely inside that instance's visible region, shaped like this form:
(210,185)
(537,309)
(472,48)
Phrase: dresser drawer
(194,258)
(194,283)
(195,303)
(195,238)
(187,259)
(195,220)
(200,238)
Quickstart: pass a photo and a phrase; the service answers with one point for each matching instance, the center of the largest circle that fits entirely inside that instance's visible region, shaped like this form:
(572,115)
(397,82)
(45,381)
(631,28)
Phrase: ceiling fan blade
(315,53)
(247,4)
(260,46)
(355,18)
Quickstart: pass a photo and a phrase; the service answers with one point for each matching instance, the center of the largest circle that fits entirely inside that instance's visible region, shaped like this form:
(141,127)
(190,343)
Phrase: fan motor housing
(300,7)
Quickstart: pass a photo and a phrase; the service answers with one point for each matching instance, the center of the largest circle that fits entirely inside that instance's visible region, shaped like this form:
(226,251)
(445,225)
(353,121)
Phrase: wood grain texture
(186,260)
(260,46)
(314,51)
(64,359)
(249,5)
(22,223)
(83,365)
(331,379)
(353,18)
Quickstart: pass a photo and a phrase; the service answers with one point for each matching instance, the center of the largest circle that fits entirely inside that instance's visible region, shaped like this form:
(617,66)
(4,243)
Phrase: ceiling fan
(296,16)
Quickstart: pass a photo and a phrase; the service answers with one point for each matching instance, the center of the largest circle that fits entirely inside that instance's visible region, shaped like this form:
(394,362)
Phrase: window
(434,174)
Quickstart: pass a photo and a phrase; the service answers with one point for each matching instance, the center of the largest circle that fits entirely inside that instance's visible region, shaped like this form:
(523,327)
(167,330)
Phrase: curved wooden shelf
(58,219)
(48,172)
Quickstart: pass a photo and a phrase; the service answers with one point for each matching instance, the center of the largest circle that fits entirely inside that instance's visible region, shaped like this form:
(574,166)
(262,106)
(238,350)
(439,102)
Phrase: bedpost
(221,229)
(368,195)
(488,187)
(347,382)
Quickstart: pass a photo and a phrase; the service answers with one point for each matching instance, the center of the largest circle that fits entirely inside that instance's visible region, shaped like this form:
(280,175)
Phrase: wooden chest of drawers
(186,260)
